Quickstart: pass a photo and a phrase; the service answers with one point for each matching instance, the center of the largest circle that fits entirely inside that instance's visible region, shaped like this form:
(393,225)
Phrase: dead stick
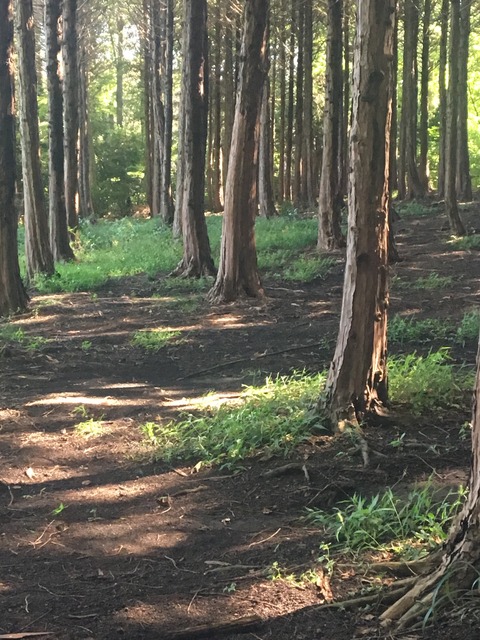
(240,625)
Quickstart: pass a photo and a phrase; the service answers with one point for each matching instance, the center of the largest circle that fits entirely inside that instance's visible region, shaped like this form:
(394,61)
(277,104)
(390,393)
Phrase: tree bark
(158,116)
(119,64)
(37,245)
(229,91)
(357,382)
(290,108)
(330,198)
(464,180)
(197,260)
(238,270)
(59,238)
(423,172)
(451,205)
(266,202)
(442,97)
(70,109)
(299,106)
(308,182)
(166,201)
(282,112)
(13,297)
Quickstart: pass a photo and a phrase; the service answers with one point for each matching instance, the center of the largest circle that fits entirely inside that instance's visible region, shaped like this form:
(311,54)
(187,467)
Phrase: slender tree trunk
(308,183)
(290,108)
(346,100)
(147,79)
(393,172)
(330,199)
(357,381)
(299,106)
(238,258)
(13,297)
(442,93)
(166,201)
(282,112)
(119,72)
(451,205)
(229,97)
(70,109)
(464,180)
(85,204)
(266,202)
(423,172)
(59,239)
(216,157)
(197,260)
(37,245)
(158,116)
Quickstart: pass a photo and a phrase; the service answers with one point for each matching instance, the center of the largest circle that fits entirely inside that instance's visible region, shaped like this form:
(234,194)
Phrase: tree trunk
(59,239)
(158,117)
(459,565)
(346,99)
(464,180)
(37,245)
(330,199)
(299,101)
(197,260)
(13,297)
(228,83)
(166,201)
(70,109)
(85,204)
(281,117)
(451,206)
(423,172)
(308,182)
(147,79)
(119,63)
(266,202)
(238,258)
(290,108)
(442,97)
(393,171)
(357,382)
(216,157)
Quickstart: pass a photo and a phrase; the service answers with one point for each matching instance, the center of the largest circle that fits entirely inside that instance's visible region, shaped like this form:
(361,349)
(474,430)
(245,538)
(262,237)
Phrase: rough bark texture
(442,94)
(458,568)
(308,182)
(85,164)
(59,239)
(166,201)
(37,244)
(197,260)
(119,64)
(290,108)
(330,199)
(229,91)
(451,205)
(281,117)
(464,180)
(423,172)
(13,297)
(266,202)
(70,109)
(158,116)
(299,109)
(357,382)
(238,258)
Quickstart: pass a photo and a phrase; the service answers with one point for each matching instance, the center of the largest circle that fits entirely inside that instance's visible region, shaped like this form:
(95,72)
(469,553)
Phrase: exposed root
(381,597)
(402,568)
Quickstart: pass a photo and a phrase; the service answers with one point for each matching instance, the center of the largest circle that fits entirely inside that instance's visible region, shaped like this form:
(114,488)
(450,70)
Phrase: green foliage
(466,243)
(469,327)
(388,522)
(274,417)
(407,330)
(307,268)
(428,383)
(155,339)
(12,334)
(414,209)
(90,428)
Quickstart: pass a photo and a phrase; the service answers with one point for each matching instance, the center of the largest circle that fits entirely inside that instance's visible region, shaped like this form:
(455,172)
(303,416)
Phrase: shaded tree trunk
(166,201)
(59,238)
(85,204)
(330,199)
(290,108)
(37,245)
(119,64)
(216,158)
(299,107)
(442,96)
(266,202)
(308,182)
(158,117)
(147,78)
(393,171)
(70,109)
(451,205)
(229,92)
(197,260)
(423,172)
(464,180)
(282,112)
(13,297)
(346,99)
(238,258)
(357,382)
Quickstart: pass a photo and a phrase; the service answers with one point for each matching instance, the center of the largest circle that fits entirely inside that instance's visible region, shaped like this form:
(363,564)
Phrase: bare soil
(98,542)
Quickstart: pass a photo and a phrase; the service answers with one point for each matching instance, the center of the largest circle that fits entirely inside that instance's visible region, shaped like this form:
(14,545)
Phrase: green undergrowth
(408,526)
(410,330)
(12,334)
(466,243)
(432,282)
(277,416)
(155,339)
(107,250)
(414,209)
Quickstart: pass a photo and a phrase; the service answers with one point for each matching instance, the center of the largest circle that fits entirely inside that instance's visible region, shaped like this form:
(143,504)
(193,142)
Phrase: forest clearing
(102,538)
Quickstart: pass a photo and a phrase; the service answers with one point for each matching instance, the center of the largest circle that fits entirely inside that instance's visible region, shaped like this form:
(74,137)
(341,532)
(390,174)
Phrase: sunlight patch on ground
(75,399)
(210,401)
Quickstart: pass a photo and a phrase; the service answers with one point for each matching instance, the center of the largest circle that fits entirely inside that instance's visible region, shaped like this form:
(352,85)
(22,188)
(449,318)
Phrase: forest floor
(99,542)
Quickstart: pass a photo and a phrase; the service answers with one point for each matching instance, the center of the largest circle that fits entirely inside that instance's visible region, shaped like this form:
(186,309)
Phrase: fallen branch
(287,468)
(239,625)
(380,597)
(414,568)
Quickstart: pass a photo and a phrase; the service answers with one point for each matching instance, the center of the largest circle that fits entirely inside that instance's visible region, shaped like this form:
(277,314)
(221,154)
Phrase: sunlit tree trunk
(59,238)
(238,258)
(119,65)
(464,180)
(299,107)
(13,297)
(229,90)
(158,116)
(282,111)
(442,96)
(423,172)
(39,257)
(197,260)
(290,106)
(146,68)
(166,201)
(330,198)
(85,163)
(357,382)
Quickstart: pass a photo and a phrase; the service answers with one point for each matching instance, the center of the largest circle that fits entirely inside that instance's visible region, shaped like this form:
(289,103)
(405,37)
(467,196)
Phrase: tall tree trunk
(442,95)
(299,102)
(290,107)
(158,117)
(464,180)
(166,202)
(229,96)
(59,239)
(330,198)
(85,204)
(216,157)
(238,258)
(70,109)
(393,171)
(37,245)
(346,99)
(197,260)
(357,381)
(282,111)
(266,202)
(451,205)
(119,72)
(423,172)
(147,80)
(13,297)
(308,183)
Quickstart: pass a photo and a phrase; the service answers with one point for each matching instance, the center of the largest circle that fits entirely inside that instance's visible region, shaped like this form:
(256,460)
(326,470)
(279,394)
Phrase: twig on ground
(252,544)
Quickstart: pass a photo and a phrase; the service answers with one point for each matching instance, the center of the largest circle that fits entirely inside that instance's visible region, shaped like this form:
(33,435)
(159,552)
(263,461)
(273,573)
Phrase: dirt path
(96,543)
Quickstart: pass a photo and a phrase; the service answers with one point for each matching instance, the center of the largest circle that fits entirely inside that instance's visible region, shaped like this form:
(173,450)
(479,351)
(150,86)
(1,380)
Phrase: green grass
(307,268)
(274,417)
(407,330)
(414,209)
(155,339)
(466,243)
(11,334)
(469,327)
(407,526)
(90,428)
(432,282)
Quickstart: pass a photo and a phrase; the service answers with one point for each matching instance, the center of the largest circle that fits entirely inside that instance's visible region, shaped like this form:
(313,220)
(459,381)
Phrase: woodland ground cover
(139,474)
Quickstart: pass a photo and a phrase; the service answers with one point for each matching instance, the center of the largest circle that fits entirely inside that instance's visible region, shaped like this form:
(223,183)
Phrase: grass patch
(428,383)
(155,339)
(469,327)
(308,268)
(414,209)
(91,428)
(466,243)
(407,330)
(408,526)
(432,282)
(274,417)
(11,334)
